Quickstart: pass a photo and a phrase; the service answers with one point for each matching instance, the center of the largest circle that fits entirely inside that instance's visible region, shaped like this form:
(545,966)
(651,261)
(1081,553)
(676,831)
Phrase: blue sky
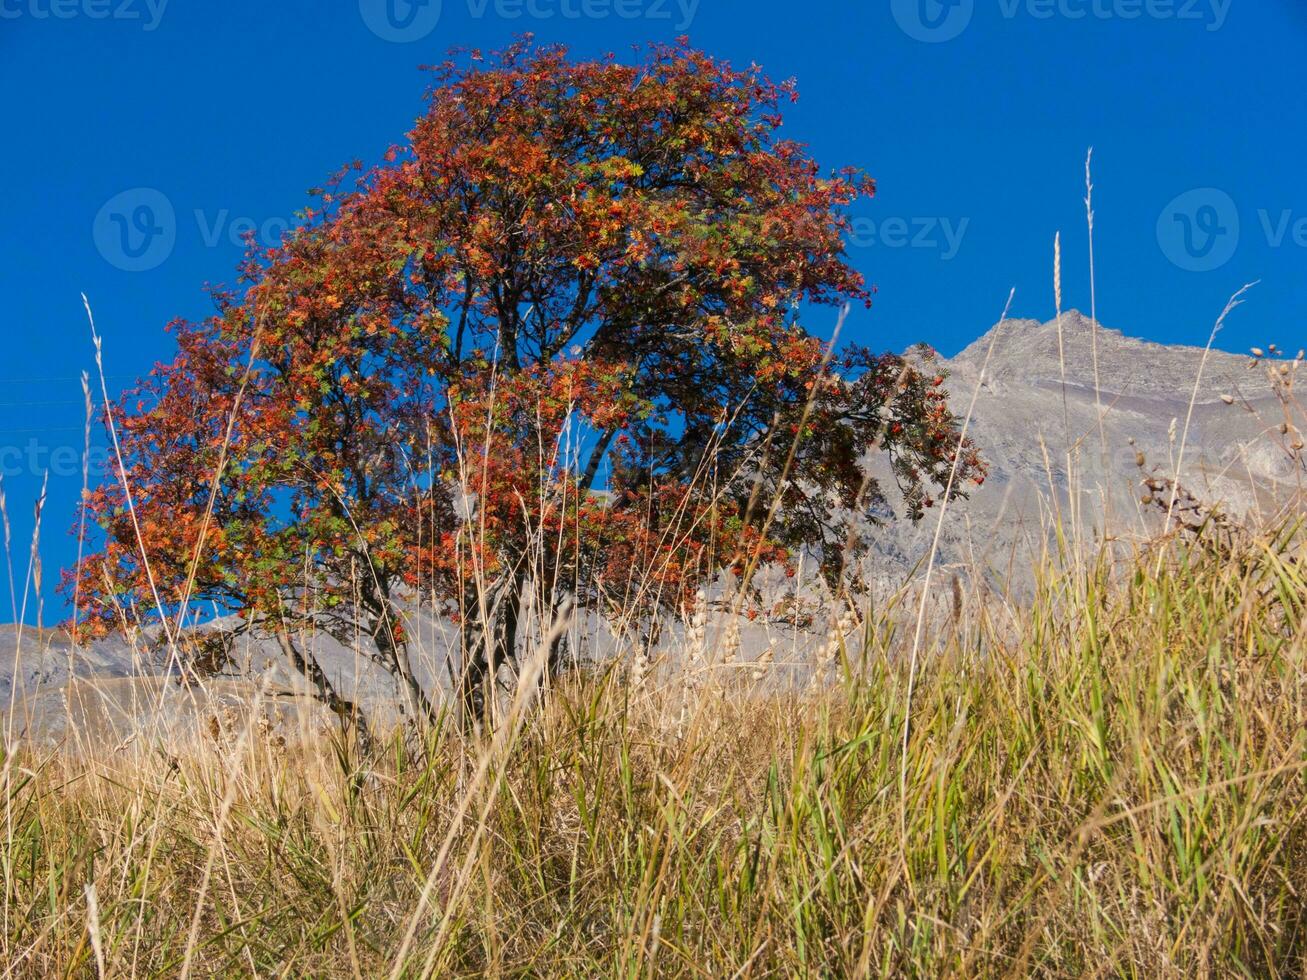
(145,135)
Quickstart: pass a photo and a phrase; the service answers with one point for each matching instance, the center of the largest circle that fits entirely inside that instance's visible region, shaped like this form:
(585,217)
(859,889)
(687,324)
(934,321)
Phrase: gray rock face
(1057,450)
(32,658)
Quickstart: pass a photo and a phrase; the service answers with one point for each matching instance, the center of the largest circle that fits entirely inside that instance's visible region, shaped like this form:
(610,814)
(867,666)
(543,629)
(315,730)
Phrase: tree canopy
(548,352)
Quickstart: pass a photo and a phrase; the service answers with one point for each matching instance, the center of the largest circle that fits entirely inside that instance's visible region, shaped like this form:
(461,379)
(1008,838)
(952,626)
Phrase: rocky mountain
(1060,449)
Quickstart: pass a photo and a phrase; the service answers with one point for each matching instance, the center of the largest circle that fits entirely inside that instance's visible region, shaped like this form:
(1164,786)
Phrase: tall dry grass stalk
(1093,301)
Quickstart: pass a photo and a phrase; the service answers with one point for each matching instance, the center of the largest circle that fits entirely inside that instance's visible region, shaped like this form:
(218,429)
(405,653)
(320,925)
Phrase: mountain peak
(1070,347)
(1031,337)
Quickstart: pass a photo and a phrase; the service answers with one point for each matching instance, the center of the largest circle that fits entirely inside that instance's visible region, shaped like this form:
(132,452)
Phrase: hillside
(1038,428)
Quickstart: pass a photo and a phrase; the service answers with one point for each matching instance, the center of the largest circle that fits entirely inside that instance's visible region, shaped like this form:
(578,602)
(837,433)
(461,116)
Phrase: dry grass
(1110,784)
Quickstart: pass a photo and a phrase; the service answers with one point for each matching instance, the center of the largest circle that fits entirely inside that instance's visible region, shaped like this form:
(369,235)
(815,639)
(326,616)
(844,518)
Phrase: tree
(548,353)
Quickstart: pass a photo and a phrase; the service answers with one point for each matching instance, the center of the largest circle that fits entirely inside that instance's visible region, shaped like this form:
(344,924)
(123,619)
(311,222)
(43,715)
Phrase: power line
(58,428)
(42,404)
(51,381)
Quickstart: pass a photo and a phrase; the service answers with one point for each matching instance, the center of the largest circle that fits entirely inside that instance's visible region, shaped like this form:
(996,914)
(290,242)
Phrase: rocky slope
(1057,449)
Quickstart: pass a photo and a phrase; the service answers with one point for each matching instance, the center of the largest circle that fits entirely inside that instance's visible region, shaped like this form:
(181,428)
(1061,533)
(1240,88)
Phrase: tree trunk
(488,646)
(557,655)
(472,681)
(510,615)
(347,711)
